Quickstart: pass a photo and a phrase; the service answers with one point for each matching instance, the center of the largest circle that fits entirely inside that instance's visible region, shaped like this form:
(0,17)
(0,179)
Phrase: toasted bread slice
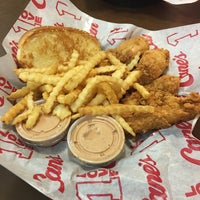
(48,45)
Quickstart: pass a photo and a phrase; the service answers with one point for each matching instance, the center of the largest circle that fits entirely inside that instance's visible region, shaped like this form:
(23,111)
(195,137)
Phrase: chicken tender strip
(128,49)
(152,65)
(165,83)
(169,110)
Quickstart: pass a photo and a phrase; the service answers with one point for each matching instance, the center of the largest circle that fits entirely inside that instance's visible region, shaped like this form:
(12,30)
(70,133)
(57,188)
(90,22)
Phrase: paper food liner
(165,164)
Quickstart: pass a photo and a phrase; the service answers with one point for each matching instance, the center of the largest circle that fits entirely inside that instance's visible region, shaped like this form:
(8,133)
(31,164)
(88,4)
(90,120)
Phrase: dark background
(149,14)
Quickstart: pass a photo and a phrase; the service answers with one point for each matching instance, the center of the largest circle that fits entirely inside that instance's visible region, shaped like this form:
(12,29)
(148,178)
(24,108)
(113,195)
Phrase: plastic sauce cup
(95,141)
(48,131)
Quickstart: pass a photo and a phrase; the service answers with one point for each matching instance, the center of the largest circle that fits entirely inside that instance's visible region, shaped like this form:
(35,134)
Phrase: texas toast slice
(48,45)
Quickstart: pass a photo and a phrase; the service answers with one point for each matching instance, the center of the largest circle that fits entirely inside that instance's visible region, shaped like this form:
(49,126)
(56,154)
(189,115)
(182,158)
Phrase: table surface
(153,16)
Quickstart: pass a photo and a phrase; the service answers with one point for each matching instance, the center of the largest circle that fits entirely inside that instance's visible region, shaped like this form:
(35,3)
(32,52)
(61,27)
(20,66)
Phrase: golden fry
(19,93)
(115,109)
(61,111)
(124,124)
(73,60)
(14,111)
(42,70)
(132,77)
(134,62)
(113,59)
(142,90)
(105,69)
(39,78)
(68,98)
(90,90)
(33,117)
(24,115)
(46,88)
(106,89)
(97,100)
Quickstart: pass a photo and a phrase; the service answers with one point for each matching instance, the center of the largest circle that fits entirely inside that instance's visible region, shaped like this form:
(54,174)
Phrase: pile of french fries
(76,88)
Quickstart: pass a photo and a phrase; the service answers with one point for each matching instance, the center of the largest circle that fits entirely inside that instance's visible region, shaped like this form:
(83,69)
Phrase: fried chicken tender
(165,83)
(128,49)
(153,63)
(169,110)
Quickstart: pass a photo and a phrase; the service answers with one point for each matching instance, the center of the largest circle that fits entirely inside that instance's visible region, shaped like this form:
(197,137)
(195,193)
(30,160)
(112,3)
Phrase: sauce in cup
(48,131)
(95,141)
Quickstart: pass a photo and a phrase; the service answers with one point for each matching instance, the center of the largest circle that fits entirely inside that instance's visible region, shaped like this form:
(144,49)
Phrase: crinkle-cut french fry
(122,121)
(48,105)
(97,100)
(33,117)
(105,69)
(62,69)
(45,95)
(14,111)
(30,101)
(68,98)
(46,88)
(74,58)
(134,61)
(84,70)
(21,117)
(82,62)
(113,109)
(119,73)
(75,116)
(142,90)
(89,90)
(124,124)
(61,111)
(77,78)
(52,70)
(19,93)
(100,98)
(85,96)
(32,85)
(106,89)
(131,79)
(114,60)
(39,78)
(96,59)
(43,70)
(30,105)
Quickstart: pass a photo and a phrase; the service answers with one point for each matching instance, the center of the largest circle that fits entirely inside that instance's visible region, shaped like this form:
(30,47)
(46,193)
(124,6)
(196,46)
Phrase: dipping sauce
(95,141)
(48,131)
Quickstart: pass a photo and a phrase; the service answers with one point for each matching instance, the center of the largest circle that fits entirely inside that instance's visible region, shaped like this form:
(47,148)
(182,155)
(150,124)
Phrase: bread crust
(49,45)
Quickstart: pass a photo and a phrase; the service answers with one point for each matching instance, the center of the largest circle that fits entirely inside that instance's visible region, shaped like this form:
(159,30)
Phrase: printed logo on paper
(105,183)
